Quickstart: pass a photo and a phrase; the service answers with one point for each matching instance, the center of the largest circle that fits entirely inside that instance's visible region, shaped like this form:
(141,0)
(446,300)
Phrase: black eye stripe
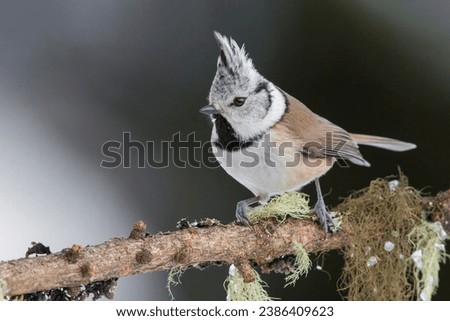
(261,86)
(264,86)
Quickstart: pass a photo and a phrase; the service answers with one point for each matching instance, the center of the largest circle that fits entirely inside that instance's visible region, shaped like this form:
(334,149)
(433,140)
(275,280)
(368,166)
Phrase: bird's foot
(242,212)
(325,218)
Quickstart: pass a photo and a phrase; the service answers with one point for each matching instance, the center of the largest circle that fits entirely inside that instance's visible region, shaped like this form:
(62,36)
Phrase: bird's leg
(320,209)
(242,209)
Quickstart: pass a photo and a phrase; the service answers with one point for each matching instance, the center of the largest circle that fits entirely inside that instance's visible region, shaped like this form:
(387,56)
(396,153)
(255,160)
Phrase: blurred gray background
(75,74)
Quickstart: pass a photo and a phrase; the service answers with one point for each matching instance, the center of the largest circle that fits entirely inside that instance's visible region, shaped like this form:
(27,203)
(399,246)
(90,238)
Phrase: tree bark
(213,242)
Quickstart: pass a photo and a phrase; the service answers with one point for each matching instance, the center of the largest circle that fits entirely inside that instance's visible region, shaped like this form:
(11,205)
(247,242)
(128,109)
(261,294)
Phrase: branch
(212,242)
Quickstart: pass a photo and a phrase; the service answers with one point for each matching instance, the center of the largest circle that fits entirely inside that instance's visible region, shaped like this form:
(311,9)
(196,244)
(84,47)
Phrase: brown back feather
(317,137)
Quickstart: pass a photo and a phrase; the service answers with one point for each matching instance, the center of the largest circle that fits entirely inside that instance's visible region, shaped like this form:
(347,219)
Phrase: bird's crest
(234,67)
(232,59)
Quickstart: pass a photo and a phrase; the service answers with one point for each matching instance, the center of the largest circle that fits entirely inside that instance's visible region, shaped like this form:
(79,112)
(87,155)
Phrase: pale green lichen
(302,265)
(292,204)
(428,255)
(238,290)
(173,279)
(2,290)
(337,222)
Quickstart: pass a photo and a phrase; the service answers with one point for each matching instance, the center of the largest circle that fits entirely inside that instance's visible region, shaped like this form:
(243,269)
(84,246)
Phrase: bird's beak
(209,110)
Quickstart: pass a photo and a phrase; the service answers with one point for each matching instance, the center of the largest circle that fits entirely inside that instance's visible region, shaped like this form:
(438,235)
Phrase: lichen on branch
(363,235)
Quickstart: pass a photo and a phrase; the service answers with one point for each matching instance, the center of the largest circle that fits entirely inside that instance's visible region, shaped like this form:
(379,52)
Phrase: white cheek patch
(276,110)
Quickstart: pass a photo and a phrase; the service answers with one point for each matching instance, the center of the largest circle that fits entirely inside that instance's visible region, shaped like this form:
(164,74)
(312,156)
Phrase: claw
(325,219)
(242,210)
(241,213)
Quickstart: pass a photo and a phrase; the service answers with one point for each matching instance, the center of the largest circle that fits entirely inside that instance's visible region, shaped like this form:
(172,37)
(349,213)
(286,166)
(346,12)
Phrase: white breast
(266,169)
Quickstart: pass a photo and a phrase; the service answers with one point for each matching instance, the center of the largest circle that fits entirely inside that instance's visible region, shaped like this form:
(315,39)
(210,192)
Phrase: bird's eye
(239,101)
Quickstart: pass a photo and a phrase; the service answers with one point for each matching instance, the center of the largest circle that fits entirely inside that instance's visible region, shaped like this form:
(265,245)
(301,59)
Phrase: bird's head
(238,92)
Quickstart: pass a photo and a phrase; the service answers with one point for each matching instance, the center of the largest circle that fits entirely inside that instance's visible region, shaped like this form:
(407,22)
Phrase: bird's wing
(316,137)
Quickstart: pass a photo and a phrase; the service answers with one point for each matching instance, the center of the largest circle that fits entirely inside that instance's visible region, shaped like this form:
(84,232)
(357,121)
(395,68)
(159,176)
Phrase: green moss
(238,290)
(292,204)
(302,265)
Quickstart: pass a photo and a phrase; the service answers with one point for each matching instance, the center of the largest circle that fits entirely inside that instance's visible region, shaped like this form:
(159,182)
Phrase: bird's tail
(382,142)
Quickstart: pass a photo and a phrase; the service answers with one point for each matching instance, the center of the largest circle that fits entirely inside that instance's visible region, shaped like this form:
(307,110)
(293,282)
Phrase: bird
(269,141)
